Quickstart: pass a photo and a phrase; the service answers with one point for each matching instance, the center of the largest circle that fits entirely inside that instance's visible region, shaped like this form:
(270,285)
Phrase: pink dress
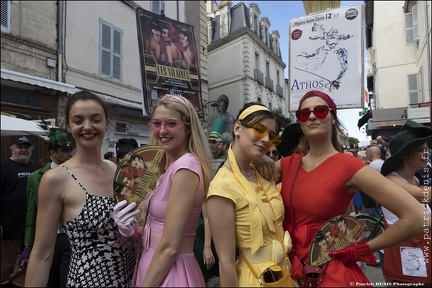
(185,271)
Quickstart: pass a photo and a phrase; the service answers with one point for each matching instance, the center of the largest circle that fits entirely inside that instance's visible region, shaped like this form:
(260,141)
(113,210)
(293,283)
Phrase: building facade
(245,58)
(399,74)
(119,83)
(51,49)
(31,83)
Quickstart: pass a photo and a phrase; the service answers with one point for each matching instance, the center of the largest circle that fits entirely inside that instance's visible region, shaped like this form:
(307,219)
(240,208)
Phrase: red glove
(358,251)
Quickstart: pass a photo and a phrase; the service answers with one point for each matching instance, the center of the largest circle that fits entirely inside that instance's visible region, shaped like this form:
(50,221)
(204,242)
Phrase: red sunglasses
(320,112)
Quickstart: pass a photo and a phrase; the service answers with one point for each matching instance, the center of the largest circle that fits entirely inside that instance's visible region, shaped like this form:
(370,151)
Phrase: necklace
(244,174)
(249,174)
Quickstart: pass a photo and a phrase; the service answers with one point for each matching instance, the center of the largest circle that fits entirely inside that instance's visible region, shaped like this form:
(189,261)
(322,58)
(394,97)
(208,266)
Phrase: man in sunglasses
(273,153)
(218,156)
(214,145)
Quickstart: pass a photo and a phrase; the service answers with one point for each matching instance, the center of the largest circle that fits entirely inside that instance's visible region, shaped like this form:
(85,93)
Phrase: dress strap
(73,176)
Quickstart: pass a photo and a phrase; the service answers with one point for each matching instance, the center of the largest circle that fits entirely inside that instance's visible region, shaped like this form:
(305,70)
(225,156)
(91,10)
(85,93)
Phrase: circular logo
(351,14)
(296,34)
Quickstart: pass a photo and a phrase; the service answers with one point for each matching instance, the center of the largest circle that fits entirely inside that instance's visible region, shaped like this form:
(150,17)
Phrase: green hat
(214,135)
(409,137)
(60,138)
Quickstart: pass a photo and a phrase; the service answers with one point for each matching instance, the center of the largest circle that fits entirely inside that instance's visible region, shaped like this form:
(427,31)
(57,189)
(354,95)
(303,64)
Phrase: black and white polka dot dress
(98,259)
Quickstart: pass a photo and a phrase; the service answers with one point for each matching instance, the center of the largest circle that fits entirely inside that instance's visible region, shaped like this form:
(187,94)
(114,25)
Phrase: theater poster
(169,60)
(326,52)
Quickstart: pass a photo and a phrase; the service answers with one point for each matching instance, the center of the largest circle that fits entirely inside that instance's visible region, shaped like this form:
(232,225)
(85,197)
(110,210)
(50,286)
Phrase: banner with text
(169,61)
(326,52)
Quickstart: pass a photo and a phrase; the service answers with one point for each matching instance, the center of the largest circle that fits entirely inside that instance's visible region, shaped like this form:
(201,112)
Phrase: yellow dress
(253,228)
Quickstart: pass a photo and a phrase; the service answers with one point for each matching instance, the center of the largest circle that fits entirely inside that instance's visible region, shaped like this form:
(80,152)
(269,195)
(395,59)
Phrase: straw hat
(409,137)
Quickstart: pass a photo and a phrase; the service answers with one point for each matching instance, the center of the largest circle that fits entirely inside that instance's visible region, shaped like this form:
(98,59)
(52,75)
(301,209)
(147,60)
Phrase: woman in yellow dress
(246,211)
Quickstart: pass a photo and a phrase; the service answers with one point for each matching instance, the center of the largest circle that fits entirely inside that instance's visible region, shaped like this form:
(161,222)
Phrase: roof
(240,20)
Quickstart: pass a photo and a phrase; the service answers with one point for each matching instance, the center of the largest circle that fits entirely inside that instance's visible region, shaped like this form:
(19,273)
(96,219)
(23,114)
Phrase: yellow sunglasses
(260,131)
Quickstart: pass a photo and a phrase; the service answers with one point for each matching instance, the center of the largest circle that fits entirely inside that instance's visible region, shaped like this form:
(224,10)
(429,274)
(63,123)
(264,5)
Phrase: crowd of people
(253,215)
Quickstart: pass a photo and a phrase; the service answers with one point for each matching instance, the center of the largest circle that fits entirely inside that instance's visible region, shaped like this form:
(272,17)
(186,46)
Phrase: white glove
(124,216)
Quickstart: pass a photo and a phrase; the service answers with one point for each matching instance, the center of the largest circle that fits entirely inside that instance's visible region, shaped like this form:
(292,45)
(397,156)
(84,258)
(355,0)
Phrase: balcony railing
(279,90)
(258,76)
(269,83)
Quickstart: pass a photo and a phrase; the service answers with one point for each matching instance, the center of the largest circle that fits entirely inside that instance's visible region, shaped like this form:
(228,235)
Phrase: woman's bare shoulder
(55,175)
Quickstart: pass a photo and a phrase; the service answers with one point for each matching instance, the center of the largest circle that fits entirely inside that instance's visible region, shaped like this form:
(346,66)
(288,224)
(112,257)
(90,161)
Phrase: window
(277,78)
(259,100)
(110,50)
(413,89)
(256,28)
(415,23)
(268,69)
(5,16)
(270,106)
(257,61)
(411,26)
(420,85)
(157,6)
(121,127)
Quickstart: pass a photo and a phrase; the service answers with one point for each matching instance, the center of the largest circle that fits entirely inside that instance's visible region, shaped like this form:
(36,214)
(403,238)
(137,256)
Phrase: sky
(279,14)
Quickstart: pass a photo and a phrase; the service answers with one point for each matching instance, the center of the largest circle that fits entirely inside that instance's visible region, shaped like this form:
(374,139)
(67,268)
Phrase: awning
(376,125)
(119,102)
(12,126)
(36,81)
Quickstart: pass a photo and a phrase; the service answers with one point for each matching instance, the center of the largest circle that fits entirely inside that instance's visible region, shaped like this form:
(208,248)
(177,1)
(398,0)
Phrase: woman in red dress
(320,185)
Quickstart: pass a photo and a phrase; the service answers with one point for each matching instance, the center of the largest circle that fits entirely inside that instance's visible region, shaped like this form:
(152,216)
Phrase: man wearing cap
(224,141)
(14,174)
(60,147)
(218,156)
(214,145)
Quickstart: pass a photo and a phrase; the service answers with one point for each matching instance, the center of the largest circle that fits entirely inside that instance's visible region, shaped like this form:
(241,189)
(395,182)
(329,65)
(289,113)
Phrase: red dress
(319,195)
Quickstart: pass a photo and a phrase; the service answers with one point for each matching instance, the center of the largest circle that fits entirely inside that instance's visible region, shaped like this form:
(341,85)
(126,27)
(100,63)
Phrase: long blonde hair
(196,140)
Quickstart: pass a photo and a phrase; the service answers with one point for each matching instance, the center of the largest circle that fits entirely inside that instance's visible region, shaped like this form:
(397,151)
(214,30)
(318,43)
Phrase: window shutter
(106,50)
(155,7)
(117,54)
(415,22)
(413,89)
(409,28)
(111,42)
(420,85)
(5,16)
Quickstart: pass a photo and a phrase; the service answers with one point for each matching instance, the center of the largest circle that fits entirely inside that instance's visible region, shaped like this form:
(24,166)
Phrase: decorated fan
(136,174)
(337,233)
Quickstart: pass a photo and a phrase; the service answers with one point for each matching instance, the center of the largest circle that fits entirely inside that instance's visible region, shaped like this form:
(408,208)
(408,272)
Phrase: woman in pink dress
(167,258)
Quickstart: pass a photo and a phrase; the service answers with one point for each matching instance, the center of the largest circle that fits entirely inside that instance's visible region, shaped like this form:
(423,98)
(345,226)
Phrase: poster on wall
(326,52)
(169,60)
